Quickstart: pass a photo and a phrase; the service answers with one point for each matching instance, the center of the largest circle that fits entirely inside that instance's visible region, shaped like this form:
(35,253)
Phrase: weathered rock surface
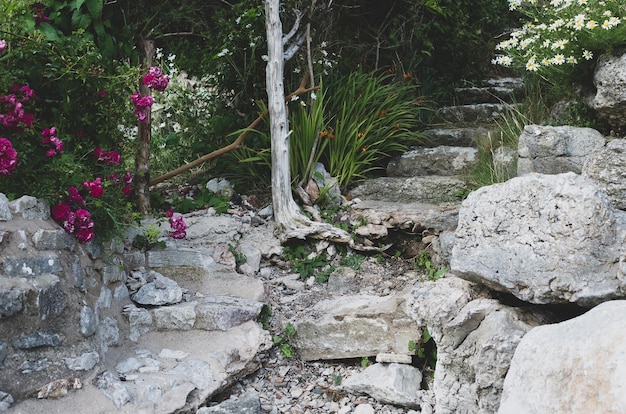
(390,383)
(576,366)
(475,113)
(556,150)
(356,326)
(411,189)
(545,239)
(606,167)
(411,216)
(610,82)
(475,338)
(440,160)
(461,137)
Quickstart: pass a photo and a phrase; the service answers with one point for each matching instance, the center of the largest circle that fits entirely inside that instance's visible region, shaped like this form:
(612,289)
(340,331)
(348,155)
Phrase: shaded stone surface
(576,366)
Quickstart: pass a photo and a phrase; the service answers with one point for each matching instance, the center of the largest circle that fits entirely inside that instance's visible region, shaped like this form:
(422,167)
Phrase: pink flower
(178,226)
(142,105)
(8,157)
(84,226)
(74,197)
(155,79)
(12,113)
(39,14)
(111,157)
(50,138)
(95,187)
(60,211)
(3,45)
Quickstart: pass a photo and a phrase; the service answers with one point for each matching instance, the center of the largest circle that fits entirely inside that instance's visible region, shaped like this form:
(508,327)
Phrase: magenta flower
(84,226)
(60,211)
(50,138)
(95,187)
(74,198)
(12,113)
(155,79)
(142,105)
(178,226)
(3,45)
(111,157)
(8,157)
(39,13)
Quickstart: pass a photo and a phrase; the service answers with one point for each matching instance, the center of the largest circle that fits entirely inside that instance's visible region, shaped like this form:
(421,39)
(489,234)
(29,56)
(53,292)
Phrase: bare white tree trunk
(290,220)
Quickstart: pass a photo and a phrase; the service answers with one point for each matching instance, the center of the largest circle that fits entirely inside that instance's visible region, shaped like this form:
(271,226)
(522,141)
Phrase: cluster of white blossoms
(561,32)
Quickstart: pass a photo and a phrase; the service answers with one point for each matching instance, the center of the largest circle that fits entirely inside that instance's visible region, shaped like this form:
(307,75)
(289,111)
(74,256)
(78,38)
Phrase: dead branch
(302,89)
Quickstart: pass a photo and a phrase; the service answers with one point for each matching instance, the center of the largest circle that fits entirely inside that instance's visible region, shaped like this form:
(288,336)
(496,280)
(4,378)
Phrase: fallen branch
(302,89)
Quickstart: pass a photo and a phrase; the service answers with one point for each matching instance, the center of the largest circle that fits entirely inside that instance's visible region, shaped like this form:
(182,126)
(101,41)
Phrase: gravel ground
(290,385)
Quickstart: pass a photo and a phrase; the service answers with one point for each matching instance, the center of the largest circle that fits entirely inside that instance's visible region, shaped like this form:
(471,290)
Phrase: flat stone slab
(431,189)
(405,216)
(355,326)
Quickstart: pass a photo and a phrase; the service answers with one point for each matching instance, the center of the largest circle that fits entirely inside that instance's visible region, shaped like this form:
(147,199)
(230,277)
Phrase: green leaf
(412,346)
(49,31)
(426,336)
(95,8)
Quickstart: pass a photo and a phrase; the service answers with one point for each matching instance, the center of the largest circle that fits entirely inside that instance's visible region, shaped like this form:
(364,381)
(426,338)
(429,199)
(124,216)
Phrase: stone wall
(60,301)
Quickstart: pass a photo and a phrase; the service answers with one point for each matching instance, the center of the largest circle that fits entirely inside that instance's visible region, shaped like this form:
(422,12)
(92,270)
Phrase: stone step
(442,160)
(494,91)
(165,372)
(407,216)
(430,189)
(482,113)
(458,137)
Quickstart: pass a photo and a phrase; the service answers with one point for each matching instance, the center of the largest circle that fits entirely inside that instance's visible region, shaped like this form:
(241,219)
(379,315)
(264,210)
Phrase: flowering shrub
(155,79)
(50,139)
(8,157)
(561,34)
(178,226)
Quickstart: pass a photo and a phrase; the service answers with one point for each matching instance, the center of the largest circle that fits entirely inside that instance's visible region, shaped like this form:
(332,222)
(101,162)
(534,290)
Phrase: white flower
(558,59)
(171,57)
(587,54)
(532,66)
(176,127)
(159,53)
(223,52)
(313,96)
(265,58)
(294,98)
(591,24)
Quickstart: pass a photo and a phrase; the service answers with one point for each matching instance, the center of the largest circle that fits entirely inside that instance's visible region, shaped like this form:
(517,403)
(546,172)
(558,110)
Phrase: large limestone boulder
(356,326)
(545,239)
(555,150)
(576,366)
(610,81)
(476,338)
(607,168)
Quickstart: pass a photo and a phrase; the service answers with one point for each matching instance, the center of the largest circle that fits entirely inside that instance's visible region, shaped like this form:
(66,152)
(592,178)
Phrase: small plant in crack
(284,341)
(424,261)
(425,357)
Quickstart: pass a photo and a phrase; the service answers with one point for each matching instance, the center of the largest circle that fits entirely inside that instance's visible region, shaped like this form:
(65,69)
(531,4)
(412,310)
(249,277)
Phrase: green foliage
(264,317)
(371,119)
(424,261)
(365,362)
(426,357)
(353,261)
(308,264)
(203,199)
(149,239)
(240,258)
(81,92)
(560,39)
(284,341)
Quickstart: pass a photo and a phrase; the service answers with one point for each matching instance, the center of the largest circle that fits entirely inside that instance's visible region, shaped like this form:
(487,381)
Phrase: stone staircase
(424,186)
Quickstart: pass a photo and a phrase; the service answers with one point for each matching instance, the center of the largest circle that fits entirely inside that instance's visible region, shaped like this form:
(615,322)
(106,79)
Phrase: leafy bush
(560,39)
(370,119)
(70,99)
